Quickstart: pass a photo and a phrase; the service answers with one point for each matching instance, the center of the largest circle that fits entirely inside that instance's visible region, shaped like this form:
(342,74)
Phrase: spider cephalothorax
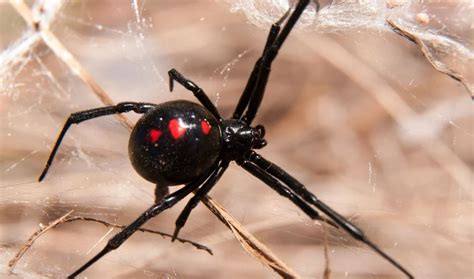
(180,142)
(239,138)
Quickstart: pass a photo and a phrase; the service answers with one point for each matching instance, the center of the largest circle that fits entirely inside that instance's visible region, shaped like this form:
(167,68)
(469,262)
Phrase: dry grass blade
(250,243)
(438,65)
(31,240)
(61,51)
(327,267)
(66,219)
(67,57)
(108,224)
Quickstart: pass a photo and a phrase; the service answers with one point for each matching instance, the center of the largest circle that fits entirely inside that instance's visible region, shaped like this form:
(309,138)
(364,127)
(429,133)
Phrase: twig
(327,266)
(251,244)
(66,219)
(31,240)
(438,65)
(254,247)
(163,234)
(67,57)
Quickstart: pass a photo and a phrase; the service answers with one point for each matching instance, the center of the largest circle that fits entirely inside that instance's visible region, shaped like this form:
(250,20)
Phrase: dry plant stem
(439,66)
(60,50)
(31,240)
(250,243)
(327,267)
(66,219)
(108,224)
(63,53)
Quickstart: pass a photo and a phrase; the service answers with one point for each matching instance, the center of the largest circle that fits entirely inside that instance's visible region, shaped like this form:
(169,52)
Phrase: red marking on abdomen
(205,127)
(176,129)
(154,135)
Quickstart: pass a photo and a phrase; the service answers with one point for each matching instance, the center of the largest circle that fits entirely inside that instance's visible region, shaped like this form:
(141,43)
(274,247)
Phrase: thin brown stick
(438,65)
(163,234)
(66,219)
(254,247)
(32,239)
(63,53)
(24,11)
(327,265)
(250,243)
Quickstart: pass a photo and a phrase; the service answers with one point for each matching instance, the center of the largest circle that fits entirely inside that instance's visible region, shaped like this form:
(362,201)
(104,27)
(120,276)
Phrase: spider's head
(239,138)
(259,134)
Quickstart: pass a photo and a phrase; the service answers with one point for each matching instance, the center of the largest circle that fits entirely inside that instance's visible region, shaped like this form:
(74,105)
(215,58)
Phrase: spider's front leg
(250,86)
(265,62)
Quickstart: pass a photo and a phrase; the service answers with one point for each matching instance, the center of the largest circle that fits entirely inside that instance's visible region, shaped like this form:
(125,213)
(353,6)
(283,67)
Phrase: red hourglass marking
(154,135)
(176,129)
(205,127)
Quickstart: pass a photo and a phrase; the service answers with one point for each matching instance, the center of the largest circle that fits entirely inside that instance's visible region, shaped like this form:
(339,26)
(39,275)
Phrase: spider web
(353,110)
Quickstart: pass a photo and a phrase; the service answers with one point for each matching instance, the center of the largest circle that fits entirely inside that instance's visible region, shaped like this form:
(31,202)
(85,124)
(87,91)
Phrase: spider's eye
(205,127)
(154,135)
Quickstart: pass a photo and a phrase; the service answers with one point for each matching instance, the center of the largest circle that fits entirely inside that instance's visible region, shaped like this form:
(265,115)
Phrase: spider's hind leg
(81,116)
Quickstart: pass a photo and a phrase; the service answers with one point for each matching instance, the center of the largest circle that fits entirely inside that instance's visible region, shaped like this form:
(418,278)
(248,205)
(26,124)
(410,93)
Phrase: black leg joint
(197,91)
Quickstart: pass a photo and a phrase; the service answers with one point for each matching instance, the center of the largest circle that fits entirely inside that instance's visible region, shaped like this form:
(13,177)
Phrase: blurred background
(355,112)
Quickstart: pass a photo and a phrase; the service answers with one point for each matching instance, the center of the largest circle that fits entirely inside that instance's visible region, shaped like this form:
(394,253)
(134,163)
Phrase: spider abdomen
(174,143)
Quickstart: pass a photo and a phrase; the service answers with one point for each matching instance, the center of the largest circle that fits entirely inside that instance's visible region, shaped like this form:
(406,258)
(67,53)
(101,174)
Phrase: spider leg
(279,188)
(168,202)
(197,91)
(202,192)
(267,59)
(277,172)
(249,88)
(81,116)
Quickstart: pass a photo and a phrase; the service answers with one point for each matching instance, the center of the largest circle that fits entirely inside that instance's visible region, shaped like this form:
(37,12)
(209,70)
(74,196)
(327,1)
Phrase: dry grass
(362,119)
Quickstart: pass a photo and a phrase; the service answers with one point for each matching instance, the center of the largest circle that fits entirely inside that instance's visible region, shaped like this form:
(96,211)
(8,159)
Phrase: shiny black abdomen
(174,143)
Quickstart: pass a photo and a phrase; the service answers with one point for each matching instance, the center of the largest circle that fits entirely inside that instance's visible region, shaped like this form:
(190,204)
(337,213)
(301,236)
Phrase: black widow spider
(180,142)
